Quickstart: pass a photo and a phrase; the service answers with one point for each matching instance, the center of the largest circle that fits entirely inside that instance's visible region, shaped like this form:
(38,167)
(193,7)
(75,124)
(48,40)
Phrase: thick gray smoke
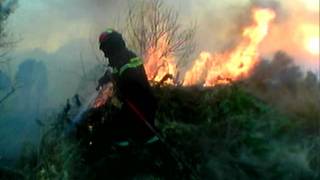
(283,84)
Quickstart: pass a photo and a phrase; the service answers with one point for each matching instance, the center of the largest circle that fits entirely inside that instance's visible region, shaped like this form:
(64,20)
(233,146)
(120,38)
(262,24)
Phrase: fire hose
(98,102)
(172,151)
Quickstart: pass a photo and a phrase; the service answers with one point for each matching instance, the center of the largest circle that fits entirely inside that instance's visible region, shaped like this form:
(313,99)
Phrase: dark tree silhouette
(6,8)
(33,80)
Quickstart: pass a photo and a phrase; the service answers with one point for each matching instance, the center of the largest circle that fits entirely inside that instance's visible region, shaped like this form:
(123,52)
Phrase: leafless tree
(6,43)
(149,22)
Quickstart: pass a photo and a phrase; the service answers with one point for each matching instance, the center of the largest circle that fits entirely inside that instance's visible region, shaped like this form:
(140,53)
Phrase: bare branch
(84,73)
(4,98)
(151,25)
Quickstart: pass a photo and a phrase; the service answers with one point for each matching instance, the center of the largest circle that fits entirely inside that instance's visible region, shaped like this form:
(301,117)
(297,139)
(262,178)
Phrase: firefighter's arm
(105,79)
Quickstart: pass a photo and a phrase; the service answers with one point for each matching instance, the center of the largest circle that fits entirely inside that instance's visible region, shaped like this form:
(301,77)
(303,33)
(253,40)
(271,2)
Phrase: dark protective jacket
(139,105)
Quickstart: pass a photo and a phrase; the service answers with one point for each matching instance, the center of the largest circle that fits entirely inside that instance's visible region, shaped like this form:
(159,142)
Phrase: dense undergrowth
(231,134)
(212,133)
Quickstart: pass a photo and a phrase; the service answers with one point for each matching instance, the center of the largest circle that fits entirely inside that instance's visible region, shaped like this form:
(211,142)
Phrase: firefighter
(136,102)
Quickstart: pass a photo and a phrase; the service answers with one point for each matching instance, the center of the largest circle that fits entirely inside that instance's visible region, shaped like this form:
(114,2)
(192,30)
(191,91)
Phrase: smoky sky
(48,24)
(51,24)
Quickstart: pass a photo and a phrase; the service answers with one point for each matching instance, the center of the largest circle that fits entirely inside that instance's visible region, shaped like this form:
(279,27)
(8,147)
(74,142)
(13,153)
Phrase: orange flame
(196,73)
(159,62)
(104,95)
(213,69)
(235,64)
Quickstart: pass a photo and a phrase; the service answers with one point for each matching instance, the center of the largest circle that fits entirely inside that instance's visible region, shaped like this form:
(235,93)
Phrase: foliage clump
(211,133)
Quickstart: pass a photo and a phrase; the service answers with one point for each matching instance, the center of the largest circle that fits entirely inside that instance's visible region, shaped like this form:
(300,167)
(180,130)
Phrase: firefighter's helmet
(110,38)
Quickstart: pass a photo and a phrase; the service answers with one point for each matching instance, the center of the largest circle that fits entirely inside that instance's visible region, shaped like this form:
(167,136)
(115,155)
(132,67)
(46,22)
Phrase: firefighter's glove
(105,79)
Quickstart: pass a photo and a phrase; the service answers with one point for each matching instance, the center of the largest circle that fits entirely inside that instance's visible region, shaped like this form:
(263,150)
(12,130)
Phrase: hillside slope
(210,133)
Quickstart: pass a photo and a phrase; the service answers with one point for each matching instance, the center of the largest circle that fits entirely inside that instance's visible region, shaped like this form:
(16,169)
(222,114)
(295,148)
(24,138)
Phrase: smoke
(20,112)
(220,25)
(67,21)
(296,25)
(279,72)
(265,3)
(284,85)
